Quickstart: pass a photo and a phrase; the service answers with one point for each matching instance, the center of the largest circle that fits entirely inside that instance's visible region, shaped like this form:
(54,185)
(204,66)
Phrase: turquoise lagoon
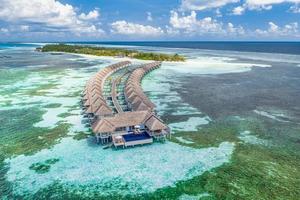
(47,152)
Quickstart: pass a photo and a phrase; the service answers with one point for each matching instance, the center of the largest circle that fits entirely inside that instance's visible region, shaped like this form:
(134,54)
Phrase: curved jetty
(117,108)
(93,98)
(134,94)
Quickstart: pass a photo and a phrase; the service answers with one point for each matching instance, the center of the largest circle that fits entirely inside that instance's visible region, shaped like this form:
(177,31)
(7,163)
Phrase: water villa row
(118,110)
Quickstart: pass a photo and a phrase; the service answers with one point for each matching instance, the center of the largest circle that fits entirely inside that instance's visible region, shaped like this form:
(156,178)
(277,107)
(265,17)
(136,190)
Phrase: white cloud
(92,15)
(264,5)
(149,16)
(172,31)
(184,22)
(128,28)
(4,30)
(295,8)
(190,24)
(238,10)
(24,28)
(232,30)
(274,30)
(218,13)
(47,15)
(204,4)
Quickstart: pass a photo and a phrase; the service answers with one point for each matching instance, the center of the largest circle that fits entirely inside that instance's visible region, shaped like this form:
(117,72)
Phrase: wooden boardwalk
(114,94)
(118,107)
(117,78)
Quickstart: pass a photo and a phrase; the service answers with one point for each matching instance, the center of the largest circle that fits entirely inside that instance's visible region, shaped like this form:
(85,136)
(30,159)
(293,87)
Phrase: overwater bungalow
(140,126)
(128,124)
(134,94)
(94,91)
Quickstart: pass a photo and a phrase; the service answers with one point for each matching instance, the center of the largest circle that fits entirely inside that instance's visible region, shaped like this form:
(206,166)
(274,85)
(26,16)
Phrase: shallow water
(140,169)
(40,102)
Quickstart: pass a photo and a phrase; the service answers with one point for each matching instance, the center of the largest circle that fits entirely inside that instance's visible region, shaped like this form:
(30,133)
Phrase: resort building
(117,108)
(140,125)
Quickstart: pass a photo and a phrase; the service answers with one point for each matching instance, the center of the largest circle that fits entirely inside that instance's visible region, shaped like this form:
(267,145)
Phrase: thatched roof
(110,124)
(104,125)
(93,96)
(95,105)
(133,90)
(141,105)
(119,120)
(155,124)
(103,110)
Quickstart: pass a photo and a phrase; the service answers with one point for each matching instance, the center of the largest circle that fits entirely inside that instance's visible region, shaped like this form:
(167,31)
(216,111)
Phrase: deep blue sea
(14,45)
(265,47)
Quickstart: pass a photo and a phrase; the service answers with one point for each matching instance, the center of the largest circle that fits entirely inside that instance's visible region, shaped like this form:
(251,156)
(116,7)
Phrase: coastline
(217,65)
(115,52)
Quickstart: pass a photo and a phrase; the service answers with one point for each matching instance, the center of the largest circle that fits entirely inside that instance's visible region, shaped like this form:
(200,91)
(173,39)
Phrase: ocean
(233,108)
(265,47)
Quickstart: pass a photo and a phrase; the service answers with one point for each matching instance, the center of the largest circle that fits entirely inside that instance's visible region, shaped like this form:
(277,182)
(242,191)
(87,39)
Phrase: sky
(149,20)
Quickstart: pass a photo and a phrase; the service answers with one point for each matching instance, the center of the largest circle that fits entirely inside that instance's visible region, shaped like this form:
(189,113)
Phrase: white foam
(140,169)
(251,139)
(50,118)
(274,116)
(211,65)
(75,121)
(185,141)
(193,197)
(186,109)
(192,124)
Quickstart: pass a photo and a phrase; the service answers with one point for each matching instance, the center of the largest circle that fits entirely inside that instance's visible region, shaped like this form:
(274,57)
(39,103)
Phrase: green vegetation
(53,105)
(9,76)
(81,135)
(208,137)
(19,136)
(40,90)
(102,51)
(64,115)
(44,167)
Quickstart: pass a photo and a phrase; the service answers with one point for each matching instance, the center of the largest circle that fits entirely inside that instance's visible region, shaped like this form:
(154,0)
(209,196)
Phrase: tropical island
(116,52)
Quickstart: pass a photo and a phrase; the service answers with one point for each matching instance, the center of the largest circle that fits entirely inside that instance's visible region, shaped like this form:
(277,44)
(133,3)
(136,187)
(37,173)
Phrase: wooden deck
(114,92)
(120,141)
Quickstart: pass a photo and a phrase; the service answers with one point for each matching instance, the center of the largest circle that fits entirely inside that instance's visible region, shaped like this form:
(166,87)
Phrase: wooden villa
(134,123)
(110,122)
